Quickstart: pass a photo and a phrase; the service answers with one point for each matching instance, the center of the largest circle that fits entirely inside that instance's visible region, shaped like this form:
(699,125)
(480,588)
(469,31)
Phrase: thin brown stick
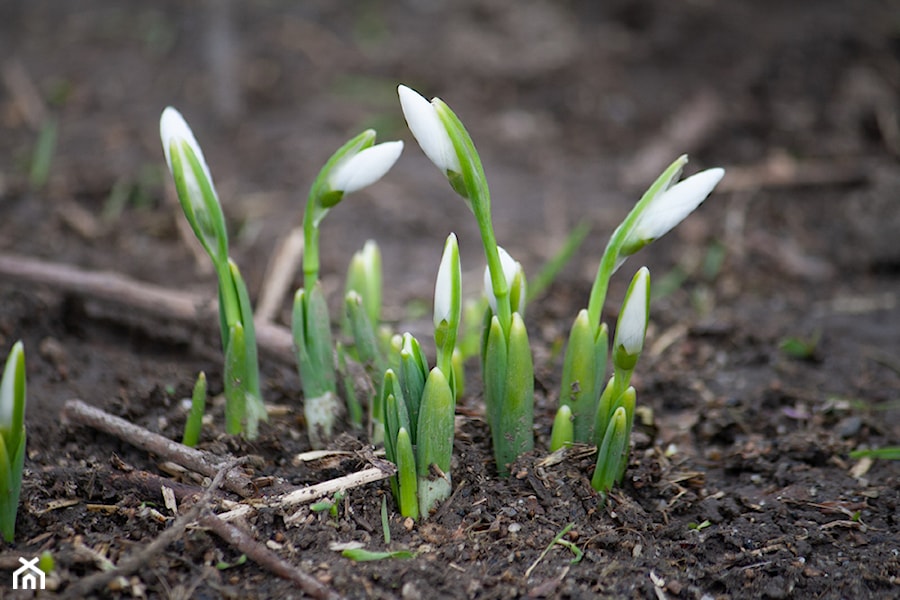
(149,299)
(282,267)
(244,542)
(139,559)
(204,463)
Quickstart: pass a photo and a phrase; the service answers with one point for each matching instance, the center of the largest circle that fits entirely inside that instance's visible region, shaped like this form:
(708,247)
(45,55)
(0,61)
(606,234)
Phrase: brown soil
(740,484)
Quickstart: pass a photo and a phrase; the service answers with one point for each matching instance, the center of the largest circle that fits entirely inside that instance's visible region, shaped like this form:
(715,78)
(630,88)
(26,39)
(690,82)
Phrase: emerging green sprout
(243,402)
(194,423)
(12,438)
(418,405)
(357,164)
(507,366)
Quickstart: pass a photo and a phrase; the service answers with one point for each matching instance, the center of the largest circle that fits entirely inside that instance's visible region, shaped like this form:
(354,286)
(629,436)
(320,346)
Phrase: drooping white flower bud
(365,167)
(430,133)
(670,207)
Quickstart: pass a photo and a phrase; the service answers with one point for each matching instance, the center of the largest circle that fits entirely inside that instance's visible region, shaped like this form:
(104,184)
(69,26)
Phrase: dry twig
(149,299)
(204,463)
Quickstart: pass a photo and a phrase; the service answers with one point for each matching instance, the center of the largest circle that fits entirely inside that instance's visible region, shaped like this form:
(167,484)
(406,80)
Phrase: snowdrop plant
(12,438)
(357,164)
(506,357)
(243,402)
(419,405)
(661,208)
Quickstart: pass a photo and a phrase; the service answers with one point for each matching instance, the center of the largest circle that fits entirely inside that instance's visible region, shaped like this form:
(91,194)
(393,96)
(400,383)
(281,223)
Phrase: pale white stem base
(321,413)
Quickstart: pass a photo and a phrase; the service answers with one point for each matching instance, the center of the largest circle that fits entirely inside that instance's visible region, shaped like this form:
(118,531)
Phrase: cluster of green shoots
(411,407)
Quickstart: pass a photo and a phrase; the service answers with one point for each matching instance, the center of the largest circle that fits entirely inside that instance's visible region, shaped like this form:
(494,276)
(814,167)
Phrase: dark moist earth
(740,484)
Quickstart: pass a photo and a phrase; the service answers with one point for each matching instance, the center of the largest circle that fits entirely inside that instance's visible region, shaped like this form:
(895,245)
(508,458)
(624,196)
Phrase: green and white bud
(669,207)
(356,171)
(425,125)
(631,327)
(515,280)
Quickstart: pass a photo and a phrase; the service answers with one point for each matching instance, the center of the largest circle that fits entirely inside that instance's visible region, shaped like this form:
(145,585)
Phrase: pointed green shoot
(364,276)
(366,344)
(407,476)
(194,423)
(412,375)
(609,455)
(563,432)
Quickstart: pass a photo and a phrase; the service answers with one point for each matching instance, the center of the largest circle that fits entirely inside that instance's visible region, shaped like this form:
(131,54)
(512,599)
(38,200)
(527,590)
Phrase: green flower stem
(477,193)
(310,247)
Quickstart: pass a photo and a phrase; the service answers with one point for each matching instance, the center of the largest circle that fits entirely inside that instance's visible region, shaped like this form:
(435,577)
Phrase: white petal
(365,168)
(443,286)
(428,130)
(173,128)
(510,268)
(672,206)
(633,321)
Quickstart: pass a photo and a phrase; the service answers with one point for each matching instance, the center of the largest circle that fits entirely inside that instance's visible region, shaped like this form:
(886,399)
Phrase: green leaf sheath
(235,380)
(516,417)
(412,376)
(495,360)
(311,330)
(584,367)
(609,455)
(626,401)
(256,410)
(406,474)
(367,348)
(435,424)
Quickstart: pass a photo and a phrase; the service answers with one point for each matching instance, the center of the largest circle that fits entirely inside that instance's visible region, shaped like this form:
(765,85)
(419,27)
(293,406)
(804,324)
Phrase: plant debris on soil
(774,344)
